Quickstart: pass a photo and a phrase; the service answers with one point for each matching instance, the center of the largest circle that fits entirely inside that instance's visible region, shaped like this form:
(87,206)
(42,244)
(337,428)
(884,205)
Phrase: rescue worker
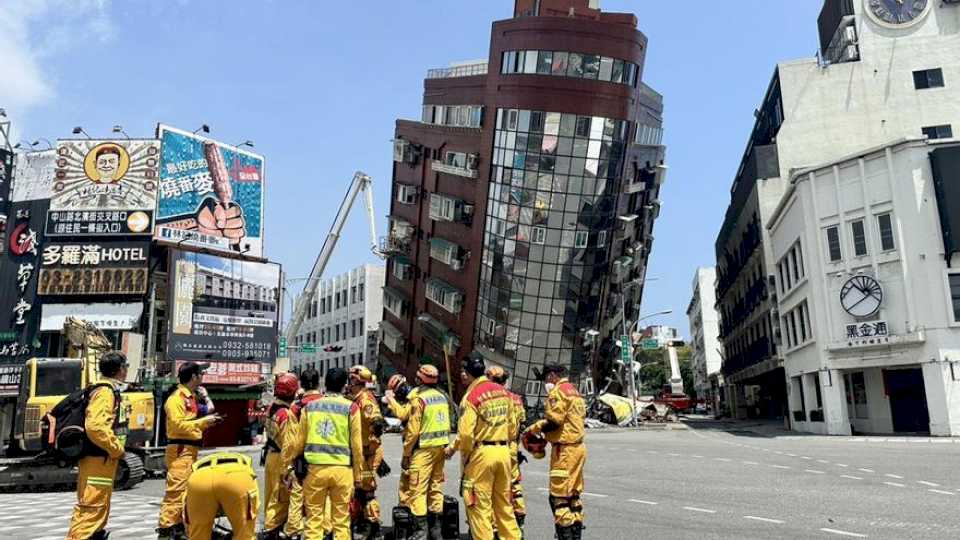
(184,439)
(371,428)
(397,397)
(223,482)
(425,437)
(310,386)
(499,375)
(563,427)
(105,423)
(330,442)
(282,431)
(483,440)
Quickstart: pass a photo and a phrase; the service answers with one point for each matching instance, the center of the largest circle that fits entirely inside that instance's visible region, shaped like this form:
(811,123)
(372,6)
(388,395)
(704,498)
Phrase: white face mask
(549,386)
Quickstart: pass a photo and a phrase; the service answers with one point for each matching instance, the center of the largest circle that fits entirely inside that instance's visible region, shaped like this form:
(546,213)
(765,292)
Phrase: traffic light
(333,348)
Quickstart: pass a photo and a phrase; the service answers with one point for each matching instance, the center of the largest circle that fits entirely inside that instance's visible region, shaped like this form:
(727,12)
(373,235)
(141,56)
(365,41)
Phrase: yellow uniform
(331,442)
(563,427)
(402,412)
(520,416)
(224,482)
(370,428)
(105,424)
(294,526)
(426,435)
(486,423)
(184,438)
(282,431)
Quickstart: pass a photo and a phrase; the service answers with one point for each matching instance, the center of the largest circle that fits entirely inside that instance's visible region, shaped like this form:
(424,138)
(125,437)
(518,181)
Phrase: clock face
(897,12)
(861,296)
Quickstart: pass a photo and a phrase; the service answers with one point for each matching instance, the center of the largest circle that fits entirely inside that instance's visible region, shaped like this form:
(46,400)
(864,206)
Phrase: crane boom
(361,182)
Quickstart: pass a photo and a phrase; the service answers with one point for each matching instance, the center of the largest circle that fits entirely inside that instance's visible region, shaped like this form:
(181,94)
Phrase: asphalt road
(712,483)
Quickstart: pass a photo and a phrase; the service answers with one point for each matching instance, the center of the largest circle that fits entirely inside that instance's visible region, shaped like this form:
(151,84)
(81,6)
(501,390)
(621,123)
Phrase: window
(816,385)
(833,244)
(545,62)
(601,239)
(353,328)
(337,334)
(443,251)
(406,194)
(938,132)
(442,208)
(859,238)
(885,226)
(559,66)
(360,293)
(539,235)
(353,294)
(394,304)
(955,295)
(443,294)
(928,78)
(530,62)
(581,238)
(402,271)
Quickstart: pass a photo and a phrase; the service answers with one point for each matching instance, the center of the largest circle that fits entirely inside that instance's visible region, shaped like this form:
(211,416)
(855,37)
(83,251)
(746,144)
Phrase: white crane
(361,182)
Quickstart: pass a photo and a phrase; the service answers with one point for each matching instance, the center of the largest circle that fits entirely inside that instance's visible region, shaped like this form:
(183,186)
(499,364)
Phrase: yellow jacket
(98,423)
(486,415)
(356,440)
(402,410)
(519,416)
(182,421)
(285,430)
(565,412)
(369,412)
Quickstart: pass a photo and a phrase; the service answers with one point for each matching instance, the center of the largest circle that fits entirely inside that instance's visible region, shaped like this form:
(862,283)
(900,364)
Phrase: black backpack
(63,427)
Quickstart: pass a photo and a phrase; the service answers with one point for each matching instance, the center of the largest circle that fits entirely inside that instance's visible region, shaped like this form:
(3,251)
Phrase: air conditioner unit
(456,264)
(468,209)
(399,150)
(473,161)
(851,53)
(850,34)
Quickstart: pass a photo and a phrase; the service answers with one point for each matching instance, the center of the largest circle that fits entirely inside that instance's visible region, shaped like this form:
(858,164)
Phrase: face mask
(549,386)
(123,387)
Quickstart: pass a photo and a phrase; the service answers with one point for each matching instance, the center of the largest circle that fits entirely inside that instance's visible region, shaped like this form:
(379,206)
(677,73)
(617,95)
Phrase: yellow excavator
(44,382)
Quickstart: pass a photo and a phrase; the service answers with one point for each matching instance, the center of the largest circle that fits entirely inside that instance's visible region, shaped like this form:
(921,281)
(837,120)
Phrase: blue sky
(317,87)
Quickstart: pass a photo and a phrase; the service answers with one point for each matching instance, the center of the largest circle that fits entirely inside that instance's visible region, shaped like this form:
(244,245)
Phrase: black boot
(520,519)
(435,526)
(166,533)
(565,533)
(577,530)
(100,535)
(376,532)
(362,529)
(420,528)
(273,534)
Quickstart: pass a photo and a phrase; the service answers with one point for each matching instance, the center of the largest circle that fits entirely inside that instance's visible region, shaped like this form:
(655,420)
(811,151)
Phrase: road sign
(651,344)
(625,350)
(308,348)
(282,347)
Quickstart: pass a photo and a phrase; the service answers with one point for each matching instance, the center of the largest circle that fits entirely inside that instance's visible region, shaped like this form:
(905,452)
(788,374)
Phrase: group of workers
(324,455)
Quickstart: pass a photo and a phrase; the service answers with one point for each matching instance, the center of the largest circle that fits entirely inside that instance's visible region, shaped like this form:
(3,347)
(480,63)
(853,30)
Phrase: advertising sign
(104,187)
(35,172)
(19,269)
(211,194)
(233,372)
(10,379)
(103,316)
(223,310)
(94,268)
(6,177)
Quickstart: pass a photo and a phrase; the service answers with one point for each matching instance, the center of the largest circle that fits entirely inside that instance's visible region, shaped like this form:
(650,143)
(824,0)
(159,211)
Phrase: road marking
(791,455)
(806,457)
(931,484)
(940,491)
(843,533)
(780,466)
(811,471)
(888,475)
(766,520)
(850,477)
(652,451)
(750,463)
(695,509)
(542,489)
(866,470)
(778,452)
(722,459)
(894,484)
(638,501)
(841,465)
(674,455)
(598,495)
(822,461)
(696,456)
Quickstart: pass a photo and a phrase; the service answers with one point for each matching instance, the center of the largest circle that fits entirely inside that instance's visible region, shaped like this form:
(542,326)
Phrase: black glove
(521,458)
(383,469)
(300,468)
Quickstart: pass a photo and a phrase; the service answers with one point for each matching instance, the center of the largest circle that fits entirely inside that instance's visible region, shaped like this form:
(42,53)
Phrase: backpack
(64,424)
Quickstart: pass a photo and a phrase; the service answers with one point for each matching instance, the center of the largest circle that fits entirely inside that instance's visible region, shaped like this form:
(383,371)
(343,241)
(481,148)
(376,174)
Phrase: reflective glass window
(560,60)
(545,62)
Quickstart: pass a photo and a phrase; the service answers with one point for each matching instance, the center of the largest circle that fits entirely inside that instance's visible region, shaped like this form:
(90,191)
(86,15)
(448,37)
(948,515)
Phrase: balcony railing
(467,70)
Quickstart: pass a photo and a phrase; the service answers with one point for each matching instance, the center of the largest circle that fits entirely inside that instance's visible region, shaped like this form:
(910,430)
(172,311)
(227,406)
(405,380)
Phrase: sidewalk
(775,429)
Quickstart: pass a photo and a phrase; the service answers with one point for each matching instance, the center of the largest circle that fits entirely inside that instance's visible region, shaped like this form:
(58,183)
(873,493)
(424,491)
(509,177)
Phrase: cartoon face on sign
(106,163)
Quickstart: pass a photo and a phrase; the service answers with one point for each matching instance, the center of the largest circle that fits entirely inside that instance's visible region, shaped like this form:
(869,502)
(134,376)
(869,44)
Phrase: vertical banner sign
(19,271)
(35,173)
(6,177)
(211,194)
(104,188)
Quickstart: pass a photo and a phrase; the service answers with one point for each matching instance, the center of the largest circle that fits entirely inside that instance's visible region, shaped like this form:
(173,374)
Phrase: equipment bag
(450,521)
(402,523)
(63,426)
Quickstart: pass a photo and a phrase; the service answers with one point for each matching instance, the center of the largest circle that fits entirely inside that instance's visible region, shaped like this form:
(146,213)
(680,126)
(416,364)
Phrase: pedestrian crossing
(46,516)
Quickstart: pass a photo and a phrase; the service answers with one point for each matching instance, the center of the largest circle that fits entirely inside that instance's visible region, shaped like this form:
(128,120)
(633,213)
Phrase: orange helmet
(361,375)
(535,443)
(428,374)
(395,382)
(497,374)
(286,386)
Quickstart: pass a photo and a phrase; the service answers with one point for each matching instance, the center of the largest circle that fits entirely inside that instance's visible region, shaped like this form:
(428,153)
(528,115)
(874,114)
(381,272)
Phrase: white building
(704,336)
(345,312)
(871,327)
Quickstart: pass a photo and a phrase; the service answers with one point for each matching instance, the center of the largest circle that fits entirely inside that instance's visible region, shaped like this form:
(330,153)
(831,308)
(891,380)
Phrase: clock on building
(861,296)
(897,13)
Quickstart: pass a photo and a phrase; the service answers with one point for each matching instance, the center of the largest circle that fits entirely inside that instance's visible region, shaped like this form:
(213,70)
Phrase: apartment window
(928,78)
(539,235)
(442,208)
(353,328)
(833,243)
(859,238)
(353,294)
(955,295)
(938,132)
(816,385)
(443,294)
(580,239)
(443,251)
(360,297)
(402,271)
(406,194)
(885,226)
(394,304)
(797,272)
(337,327)
(360,325)
(601,239)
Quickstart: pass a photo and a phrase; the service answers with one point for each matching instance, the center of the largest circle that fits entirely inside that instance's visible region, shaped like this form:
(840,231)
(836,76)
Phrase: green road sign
(8,336)
(282,348)
(308,348)
(651,344)
(625,349)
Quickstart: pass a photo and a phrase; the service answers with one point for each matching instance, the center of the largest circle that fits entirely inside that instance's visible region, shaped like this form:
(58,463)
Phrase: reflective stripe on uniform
(322,405)
(559,473)
(100,480)
(435,427)
(328,435)
(327,449)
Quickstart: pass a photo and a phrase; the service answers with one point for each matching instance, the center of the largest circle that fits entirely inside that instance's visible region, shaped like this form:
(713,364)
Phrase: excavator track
(44,474)
(129,472)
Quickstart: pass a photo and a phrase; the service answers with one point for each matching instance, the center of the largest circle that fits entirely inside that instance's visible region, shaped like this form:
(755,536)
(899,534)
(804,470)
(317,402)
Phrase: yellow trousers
(333,485)
(422,489)
(230,488)
(368,483)
(179,459)
(486,493)
(94,489)
(294,526)
(519,505)
(277,495)
(566,483)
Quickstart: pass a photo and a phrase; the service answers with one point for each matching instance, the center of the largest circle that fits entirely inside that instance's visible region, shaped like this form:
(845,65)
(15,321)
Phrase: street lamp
(204,128)
(119,129)
(247,142)
(625,337)
(78,130)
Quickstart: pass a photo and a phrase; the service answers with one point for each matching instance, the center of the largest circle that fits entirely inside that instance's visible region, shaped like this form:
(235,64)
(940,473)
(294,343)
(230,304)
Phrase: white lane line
(778,452)
(866,470)
(844,465)
(542,489)
(697,456)
(850,477)
(652,452)
(888,475)
(843,533)
(723,459)
(806,457)
(780,466)
(765,520)
(598,495)
(695,509)
(638,501)
(791,455)
(673,455)
(931,484)
(895,484)
(940,491)
(822,461)
(812,471)
(750,463)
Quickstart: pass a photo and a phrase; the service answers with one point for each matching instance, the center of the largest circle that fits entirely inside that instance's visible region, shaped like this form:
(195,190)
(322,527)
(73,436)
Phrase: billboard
(223,310)
(233,372)
(211,194)
(34,175)
(19,270)
(94,268)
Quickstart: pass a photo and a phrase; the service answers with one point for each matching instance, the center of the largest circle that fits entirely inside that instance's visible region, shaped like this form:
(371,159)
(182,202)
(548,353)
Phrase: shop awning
(103,316)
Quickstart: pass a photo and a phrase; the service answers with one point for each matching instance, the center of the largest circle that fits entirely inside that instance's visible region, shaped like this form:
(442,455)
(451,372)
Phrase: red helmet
(535,443)
(395,382)
(286,386)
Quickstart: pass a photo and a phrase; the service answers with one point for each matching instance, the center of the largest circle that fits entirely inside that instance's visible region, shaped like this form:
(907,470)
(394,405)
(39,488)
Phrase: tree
(686,371)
